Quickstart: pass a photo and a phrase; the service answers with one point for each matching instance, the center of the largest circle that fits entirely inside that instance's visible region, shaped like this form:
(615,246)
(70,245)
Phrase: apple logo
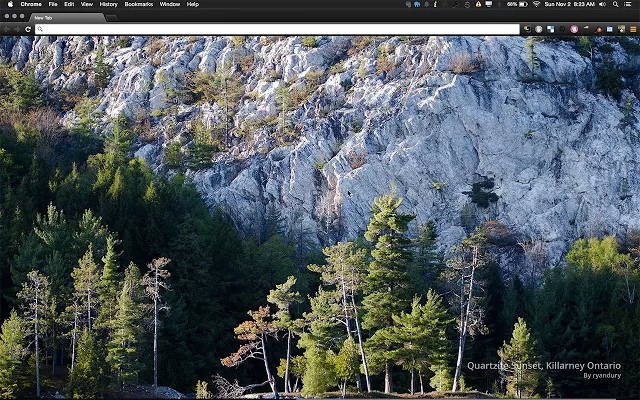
(10,4)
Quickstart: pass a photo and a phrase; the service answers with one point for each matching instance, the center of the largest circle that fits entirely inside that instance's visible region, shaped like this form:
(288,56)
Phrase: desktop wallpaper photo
(318,216)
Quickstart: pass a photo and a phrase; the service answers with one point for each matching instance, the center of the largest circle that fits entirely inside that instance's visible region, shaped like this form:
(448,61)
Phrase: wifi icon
(536,3)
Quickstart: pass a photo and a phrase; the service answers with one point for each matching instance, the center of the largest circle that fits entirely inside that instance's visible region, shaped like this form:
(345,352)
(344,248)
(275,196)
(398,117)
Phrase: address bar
(275,29)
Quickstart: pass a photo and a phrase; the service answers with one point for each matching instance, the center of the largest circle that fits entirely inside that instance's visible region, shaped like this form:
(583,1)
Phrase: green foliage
(441,379)
(417,339)
(309,41)
(125,41)
(202,391)
(87,380)
(12,352)
(628,116)
(529,134)
(481,193)
(319,165)
(124,342)
(575,306)
(85,282)
(386,286)
(347,363)
(173,156)
(532,57)
(318,376)
(101,71)
(427,263)
(586,46)
(20,89)
(284,106)
(439,185)
(608,79)
(516,356)
(238,41)
(606,48)
(203,148)
(629,45)
(107,286)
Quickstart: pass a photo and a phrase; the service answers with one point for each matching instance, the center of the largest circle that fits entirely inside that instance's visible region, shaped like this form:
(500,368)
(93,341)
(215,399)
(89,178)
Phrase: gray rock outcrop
(430,116)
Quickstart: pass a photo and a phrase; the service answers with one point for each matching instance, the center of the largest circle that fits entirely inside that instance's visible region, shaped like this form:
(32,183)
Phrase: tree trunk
(388,378)
(155,342)
(287,387)
(421,386)
(412,380)
(74,337)
(37,329)
(361,344)
(272,381)
(344,389)
(464,323)
(89,309)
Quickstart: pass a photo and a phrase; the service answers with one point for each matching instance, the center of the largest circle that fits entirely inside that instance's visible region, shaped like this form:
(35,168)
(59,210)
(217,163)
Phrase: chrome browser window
(386,199)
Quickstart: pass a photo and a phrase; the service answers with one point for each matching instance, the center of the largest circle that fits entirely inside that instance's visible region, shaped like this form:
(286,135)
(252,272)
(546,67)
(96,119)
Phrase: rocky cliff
(539,128)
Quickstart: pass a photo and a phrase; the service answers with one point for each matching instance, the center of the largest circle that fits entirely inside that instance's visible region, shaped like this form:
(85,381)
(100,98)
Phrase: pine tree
(284,106)
(102,70)
(282,297)
(37,301)
(347,364)
(255,332)
(12,352)
(117,144)
(441,380)
(123,354)
(203,147)
(427,260)
(87,378)
(387,284)
(462,276)
(85,283)
(342,280)
(319,373)
(515,356)
(154,281)
(418,338)
(107,287)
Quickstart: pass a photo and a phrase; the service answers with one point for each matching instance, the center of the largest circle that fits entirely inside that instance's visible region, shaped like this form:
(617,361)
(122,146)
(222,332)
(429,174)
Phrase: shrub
(320,165)
(481,193)
(384,62)
(357,160)
(246,63)
(606,48)
(585,48)
(630,46)
(337,68)
(608,79)
(462,63)
(238,41)
(358,44)
(274,75)
(439,185)
(314,78)
(529,134)
(346,84)
(125,41)
(309,41)
(356,126)
(266,40)
(153,46)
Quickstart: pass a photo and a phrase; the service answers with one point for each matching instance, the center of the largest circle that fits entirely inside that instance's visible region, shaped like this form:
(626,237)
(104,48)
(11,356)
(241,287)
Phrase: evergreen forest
(113,276)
